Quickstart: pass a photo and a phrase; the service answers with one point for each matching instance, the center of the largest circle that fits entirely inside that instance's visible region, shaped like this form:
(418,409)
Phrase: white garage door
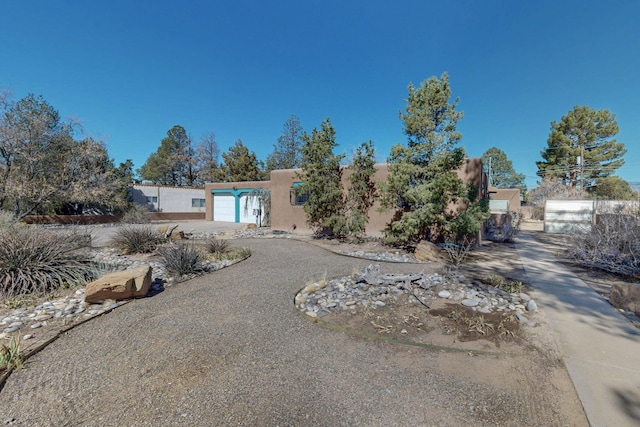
(224,207)
(247,215)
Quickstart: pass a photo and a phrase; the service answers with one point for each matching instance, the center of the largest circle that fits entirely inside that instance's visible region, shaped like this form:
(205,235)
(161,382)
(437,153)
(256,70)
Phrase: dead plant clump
(612,244)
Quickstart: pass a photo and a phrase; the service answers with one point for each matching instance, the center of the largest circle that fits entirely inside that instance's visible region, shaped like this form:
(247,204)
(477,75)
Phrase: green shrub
(181,259)
(139,239)
(10,357)
(37,261)
(511,286)
(136,214)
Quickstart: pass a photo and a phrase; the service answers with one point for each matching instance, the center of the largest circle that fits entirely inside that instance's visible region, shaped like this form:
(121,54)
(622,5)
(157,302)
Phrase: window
(297,197)
(152,199)
(198,203)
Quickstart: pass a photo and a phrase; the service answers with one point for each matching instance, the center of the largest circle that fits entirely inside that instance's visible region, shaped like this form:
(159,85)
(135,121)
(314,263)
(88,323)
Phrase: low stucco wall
(72,219)
(175,216)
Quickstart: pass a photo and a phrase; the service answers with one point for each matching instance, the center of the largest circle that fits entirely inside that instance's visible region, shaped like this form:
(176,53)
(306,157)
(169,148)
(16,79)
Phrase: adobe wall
(284,214)
(510,194)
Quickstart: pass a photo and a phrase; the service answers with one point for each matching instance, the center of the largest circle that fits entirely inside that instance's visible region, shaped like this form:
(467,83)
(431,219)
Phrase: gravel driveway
(228,348)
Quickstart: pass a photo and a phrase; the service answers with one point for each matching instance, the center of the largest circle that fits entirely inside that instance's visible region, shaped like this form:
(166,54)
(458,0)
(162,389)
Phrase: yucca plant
(216,247)
(181,259)
(136,214)
(37,261)
(137,239)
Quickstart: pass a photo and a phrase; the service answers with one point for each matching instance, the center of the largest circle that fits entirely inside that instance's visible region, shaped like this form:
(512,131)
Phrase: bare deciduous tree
(207,154)
(42,166)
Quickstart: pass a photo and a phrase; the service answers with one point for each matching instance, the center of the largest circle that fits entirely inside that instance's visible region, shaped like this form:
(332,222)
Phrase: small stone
(532,306)
(36,326)
(379,303)
(11,329)
(444,294)
(27,337)
(524,297)
(470,302)
(404,332)
(311,314)
(521,318)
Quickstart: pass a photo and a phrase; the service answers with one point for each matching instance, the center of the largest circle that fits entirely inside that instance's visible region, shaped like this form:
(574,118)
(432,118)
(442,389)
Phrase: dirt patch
(449,326)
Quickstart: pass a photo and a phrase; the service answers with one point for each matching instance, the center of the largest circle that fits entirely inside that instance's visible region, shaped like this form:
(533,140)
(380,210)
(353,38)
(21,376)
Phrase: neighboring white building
(163,198)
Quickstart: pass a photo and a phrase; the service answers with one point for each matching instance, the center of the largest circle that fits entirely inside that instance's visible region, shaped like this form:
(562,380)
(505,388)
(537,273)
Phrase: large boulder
(119,285)
(626,296)
(427,251)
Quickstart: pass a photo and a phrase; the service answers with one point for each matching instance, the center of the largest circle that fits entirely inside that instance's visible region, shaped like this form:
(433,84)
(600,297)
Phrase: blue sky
(130,70)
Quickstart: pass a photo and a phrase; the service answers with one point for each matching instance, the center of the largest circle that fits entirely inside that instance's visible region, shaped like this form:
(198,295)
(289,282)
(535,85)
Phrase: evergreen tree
(239,164)
(173,162)
(287,153)
(613,188)
(500,170)
(422,183)
(581,148)
(362,189)
(322,176)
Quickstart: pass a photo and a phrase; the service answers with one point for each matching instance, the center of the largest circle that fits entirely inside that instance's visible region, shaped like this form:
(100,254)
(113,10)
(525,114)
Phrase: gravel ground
(228,348)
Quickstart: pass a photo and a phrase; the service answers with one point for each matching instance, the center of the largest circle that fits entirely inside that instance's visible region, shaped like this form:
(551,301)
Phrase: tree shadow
(629,403)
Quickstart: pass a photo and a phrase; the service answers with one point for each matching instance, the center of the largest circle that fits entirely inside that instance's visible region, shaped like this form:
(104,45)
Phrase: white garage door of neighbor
(246,215)
(224,207)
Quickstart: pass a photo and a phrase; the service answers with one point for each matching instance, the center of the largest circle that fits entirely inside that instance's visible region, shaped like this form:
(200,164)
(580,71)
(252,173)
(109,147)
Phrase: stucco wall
(169,199)
(512,195)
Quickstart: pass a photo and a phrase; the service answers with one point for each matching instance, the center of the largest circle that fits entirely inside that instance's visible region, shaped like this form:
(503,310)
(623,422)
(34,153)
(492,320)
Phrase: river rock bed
(370,287)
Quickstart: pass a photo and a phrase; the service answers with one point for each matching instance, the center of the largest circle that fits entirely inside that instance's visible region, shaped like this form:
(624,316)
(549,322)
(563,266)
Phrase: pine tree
(239,164)
(581,148)
(501,171)
(287,153)
(322,176)
(173,162)
(422,183)
(362,189)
